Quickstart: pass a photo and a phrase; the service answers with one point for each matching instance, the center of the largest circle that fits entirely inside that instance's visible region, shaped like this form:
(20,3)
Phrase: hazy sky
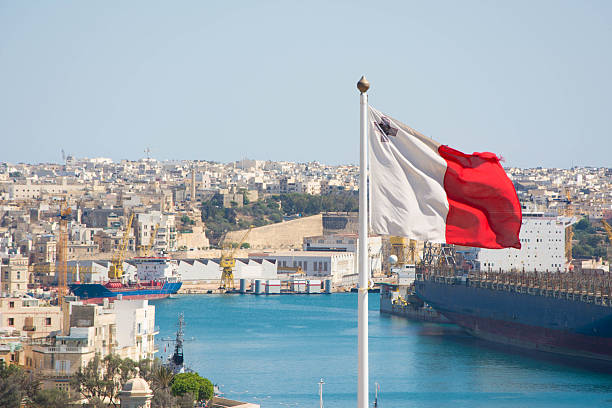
(275,80)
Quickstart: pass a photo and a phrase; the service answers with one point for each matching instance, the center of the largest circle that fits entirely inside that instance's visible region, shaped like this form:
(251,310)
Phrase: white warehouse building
(320,264)
(209,270)
(542,239)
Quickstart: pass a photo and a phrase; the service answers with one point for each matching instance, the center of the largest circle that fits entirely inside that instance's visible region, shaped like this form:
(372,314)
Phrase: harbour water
(273,350)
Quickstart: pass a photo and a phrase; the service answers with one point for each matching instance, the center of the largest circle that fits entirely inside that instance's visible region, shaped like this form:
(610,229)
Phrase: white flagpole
(364,274)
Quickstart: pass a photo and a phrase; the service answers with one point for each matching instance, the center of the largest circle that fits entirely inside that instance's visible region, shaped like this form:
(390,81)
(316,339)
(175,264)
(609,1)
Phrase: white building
(135,323)
(348,243)
(209,270)
(323,264)
(542,246)
(165,236)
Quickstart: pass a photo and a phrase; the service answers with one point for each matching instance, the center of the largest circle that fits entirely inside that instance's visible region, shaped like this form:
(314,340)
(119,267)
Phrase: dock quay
(290,286)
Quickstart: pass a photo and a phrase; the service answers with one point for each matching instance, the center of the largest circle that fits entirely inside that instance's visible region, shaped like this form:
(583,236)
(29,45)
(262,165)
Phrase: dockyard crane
(116,268)
(228,262)
(405,250)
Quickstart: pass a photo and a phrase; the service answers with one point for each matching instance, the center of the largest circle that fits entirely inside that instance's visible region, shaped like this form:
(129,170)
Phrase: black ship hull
(536,321)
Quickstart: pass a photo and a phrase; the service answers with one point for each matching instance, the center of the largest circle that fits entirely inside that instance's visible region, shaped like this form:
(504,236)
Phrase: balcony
(62,349)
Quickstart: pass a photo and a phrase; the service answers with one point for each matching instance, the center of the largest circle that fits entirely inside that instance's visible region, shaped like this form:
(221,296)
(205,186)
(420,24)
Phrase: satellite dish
(393,259)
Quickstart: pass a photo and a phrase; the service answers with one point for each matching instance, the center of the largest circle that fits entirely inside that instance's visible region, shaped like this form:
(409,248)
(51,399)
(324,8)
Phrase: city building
(29,316)
(321,264)
(14,274)
(542,239)
(125,328)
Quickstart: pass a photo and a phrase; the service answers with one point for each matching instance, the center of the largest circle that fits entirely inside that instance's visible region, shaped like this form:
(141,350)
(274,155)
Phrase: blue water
(273,350)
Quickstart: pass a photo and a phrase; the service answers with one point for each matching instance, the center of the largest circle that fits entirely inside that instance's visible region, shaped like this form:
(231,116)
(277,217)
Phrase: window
(48,321)
(11,304)
(325,266)
(11,321)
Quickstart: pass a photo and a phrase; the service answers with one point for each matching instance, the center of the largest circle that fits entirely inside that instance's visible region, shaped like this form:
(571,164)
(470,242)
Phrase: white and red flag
(430,192)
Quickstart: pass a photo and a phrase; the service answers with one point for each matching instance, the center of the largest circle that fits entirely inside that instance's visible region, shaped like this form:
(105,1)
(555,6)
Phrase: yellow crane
(228,262)
(116,268)
(404,249)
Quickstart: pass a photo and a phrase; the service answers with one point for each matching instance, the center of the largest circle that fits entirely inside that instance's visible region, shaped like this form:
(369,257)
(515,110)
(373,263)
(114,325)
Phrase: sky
(275,80)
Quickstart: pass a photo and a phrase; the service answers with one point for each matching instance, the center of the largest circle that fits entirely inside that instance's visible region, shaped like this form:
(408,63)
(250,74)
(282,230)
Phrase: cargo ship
(565,313)
(155,278)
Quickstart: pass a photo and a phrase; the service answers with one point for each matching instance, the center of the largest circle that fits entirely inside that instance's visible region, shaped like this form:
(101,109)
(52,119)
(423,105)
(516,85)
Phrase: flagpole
(364,274)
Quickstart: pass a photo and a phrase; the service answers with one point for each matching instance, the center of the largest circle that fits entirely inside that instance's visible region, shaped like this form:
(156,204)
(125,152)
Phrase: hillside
(270,210)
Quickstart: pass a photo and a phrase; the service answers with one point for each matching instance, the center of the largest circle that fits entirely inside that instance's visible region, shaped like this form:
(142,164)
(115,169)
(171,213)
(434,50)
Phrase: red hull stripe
(484,210)
(100,300)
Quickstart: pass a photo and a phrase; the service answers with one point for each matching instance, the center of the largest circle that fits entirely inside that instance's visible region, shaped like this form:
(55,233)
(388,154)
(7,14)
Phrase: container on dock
(243,286)
(328,286)
(298,285)
(258,287)
(273,287)
(313,286)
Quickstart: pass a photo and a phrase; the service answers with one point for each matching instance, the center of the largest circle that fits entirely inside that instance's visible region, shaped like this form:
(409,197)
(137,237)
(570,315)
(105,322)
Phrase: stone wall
(282,235)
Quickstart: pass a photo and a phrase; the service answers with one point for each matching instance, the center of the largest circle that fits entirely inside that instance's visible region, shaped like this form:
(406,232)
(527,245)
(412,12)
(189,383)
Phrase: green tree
(161,378)
(20,388)
(52,398)
(102,378)
(16,385)
(200,387)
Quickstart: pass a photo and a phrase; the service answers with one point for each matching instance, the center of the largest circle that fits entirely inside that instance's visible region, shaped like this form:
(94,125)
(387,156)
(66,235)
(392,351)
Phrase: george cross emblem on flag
(386,129)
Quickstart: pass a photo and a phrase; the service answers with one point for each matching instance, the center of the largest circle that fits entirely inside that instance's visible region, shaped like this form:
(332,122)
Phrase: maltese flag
(423,190)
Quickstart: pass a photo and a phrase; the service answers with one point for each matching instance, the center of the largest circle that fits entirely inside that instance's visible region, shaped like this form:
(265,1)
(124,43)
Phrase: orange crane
(62,253)
(116,268)
(228,262)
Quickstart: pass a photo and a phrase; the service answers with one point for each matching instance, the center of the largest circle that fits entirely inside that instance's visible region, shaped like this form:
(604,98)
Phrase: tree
(161,378)
(15,385)
(200,387)
(102,378)
(52,398)
(20,388)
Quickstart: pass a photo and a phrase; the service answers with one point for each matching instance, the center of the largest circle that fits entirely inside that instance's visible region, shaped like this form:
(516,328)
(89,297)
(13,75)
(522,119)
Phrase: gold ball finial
(363,85)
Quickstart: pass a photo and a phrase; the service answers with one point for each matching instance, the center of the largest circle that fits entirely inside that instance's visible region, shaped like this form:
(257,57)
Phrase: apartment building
(165,237)
(14,274)
(29,316)
(125,328)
